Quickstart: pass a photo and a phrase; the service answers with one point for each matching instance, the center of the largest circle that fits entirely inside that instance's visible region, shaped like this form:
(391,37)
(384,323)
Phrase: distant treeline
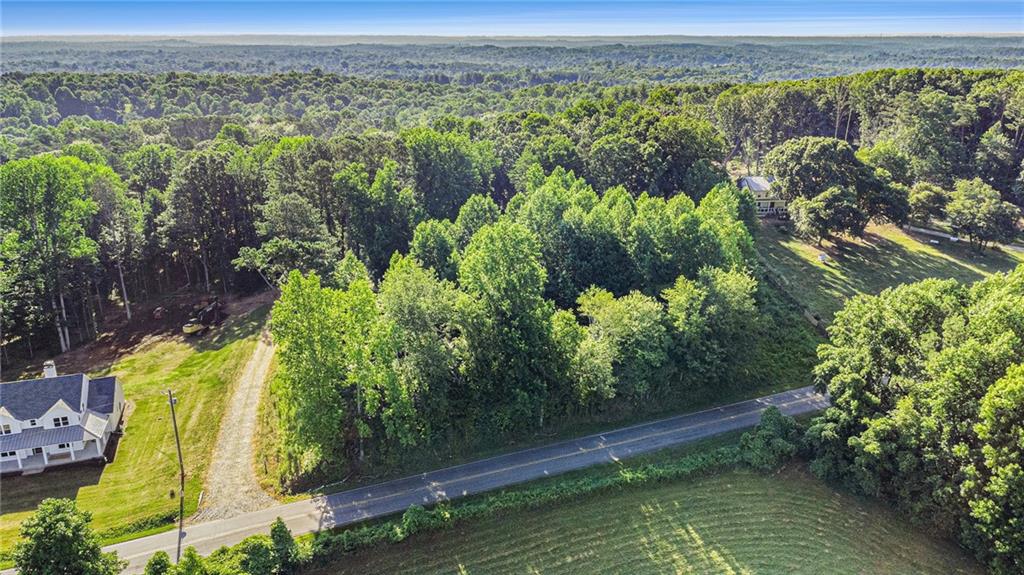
(504,65)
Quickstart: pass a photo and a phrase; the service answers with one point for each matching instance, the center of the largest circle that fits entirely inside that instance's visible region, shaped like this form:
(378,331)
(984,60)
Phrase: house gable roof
(101,394)
(757,183)
(32,398)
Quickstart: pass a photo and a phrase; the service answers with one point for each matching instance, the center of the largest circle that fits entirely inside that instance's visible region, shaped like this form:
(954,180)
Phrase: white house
(57,419)
(769,204)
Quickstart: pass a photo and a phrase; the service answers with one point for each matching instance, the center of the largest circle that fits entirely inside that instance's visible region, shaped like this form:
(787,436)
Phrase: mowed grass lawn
(133,493)
(735,522)
(886,256)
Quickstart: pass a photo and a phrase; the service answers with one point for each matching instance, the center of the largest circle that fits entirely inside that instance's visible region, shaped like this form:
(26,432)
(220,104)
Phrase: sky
(505,18)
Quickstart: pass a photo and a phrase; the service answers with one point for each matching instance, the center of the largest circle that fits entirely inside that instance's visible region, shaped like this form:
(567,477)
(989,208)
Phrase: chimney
(85,393)
(49,368)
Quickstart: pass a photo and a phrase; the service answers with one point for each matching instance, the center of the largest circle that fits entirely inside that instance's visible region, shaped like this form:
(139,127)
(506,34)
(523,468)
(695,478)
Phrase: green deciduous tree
(422,309)
(833,211)
(379,217)
(686,149)
(927,201)
(211,213)
(994,159)
(47,211)
(58,539)
(149,167)
(191,563)
(634,327)
(889,157)
(295,238)
(548,151)
(924,128)
(307,326)
(477,212)
(806,167)
(976,211)
(506,325)
(620,160)
(434,245)
(159,564)
(995,485)
(775,439)
(447,168)
(925,409)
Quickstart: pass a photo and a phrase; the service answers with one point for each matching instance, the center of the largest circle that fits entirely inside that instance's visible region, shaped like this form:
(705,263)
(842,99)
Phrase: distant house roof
(39,437)
(756,183)
(32,398)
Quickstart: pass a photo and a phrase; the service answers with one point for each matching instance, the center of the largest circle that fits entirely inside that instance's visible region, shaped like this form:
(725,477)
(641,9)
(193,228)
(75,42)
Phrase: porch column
(17,455)
(71,448)
(46,460)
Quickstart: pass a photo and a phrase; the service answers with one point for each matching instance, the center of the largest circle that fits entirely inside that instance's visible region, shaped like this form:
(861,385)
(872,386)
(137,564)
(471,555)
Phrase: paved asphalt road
(393,496)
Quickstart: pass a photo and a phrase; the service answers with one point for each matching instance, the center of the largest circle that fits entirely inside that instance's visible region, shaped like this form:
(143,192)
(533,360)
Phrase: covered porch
(38,459)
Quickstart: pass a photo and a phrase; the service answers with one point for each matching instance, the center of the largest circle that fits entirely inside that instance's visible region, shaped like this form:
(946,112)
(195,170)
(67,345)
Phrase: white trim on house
(766,200)
(76,426)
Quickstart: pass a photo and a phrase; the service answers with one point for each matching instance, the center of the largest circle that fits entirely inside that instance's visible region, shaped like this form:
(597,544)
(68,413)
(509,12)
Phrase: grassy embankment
(133,494)
(885,257)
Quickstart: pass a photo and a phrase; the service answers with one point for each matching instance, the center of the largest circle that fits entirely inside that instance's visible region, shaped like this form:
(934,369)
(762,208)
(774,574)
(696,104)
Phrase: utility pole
(181,468)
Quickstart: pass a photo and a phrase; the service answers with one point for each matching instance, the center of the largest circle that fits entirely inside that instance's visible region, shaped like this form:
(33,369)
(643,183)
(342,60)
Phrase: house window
(60,421)
(37,450)
(8,453)
(5,429)
(63,445)
(31,423)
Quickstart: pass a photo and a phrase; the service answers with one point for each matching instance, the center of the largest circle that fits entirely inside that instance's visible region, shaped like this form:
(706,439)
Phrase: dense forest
(134,184)
(460,262)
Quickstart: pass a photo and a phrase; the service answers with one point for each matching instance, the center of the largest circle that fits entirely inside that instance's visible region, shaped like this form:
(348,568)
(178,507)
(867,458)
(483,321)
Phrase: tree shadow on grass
(121,338)
(233,329)
(871,264)
(26,492)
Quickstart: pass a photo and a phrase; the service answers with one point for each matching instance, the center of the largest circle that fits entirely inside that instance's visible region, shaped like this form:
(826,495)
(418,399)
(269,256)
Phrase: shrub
(258,556)
(772,442)
(191,564)
(285,549)
(159,564)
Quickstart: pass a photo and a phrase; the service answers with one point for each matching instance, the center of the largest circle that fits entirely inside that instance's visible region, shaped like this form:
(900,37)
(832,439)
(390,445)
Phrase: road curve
(356,505)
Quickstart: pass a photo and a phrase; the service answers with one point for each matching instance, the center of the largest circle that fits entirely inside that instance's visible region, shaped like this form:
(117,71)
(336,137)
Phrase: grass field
(134,492)
(734,522)
(885,257)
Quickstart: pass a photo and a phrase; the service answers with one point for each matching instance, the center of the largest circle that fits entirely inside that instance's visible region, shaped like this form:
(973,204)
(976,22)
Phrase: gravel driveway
(231,486)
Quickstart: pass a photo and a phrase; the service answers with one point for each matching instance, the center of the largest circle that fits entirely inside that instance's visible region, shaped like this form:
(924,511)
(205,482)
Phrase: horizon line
(503,36)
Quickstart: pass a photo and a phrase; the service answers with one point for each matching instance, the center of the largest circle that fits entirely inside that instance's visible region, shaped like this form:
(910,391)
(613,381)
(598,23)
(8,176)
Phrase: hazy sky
(482,18)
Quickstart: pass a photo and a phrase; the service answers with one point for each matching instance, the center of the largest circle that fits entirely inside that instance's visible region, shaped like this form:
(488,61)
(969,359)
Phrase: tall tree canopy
(922,379)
